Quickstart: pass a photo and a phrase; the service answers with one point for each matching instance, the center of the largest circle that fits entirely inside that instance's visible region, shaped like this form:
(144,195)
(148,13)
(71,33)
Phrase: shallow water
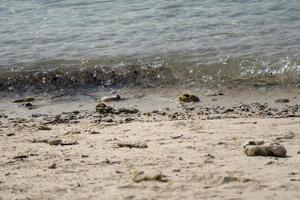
(234,37)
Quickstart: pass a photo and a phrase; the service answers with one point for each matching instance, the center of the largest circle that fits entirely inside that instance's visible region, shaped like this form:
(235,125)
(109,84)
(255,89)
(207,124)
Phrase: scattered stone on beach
(24,156)
(260,148)
(109,162)
(68,142)
(102,108)
(52,166)
(73,132)
(187,98)
(111,98)
(29,106)
(54,141)
(127,110)
(176,137)
(282,101)
(140,145)
(39,141)
(44,128)
(23,100)
(10,134)
(94,132)
(139,176)
(108,120)
(214,93)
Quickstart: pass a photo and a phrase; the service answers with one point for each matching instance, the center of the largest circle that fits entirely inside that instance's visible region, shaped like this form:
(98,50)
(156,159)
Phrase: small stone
(129,119)
(29,105)
(108,120)
(176,137)
(28,99)
(186,98)
(102,108)
(94,132)
(140,145)
(68,142)
(44,128)
(282,101)
(52,166)
(10,134)
(128,110)
(73,132)
(111,98)
(139,176)
(54,141)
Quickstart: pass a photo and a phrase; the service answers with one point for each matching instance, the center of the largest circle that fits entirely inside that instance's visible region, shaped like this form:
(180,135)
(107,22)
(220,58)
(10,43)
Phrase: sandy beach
(151,146)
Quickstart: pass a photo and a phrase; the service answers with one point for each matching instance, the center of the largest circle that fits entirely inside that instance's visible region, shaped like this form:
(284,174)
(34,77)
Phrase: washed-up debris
(260,148)
(23,100)
(24,156)
(176,137)
(102,108)
(282,101)
(140,145)
(127,110)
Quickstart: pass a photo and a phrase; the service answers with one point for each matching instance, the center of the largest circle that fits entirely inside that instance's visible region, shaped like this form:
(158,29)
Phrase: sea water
(232,36)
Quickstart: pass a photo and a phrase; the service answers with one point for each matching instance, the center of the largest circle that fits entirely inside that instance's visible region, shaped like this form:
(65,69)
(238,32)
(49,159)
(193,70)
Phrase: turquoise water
(246,34)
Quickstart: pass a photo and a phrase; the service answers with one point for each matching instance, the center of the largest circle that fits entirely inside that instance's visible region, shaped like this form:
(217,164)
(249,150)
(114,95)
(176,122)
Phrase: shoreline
(62,148)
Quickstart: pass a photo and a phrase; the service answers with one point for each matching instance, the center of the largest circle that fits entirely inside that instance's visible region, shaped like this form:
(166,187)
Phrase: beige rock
(111,98)
(54,141)
(139,176)
(260,148)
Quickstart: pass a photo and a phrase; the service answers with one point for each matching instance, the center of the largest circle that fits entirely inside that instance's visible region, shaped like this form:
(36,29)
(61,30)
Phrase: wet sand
(60,148)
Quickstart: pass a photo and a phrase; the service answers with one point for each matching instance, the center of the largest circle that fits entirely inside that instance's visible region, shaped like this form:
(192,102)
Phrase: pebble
(102,108)
(10,134)
(186,98)
(44,128)
(140,145)
(111,98)
(73,132)
(128,110)
(29,105)
(282,101)
(68,142)
(27,99)
(139,176)
(52,166)
(54,141)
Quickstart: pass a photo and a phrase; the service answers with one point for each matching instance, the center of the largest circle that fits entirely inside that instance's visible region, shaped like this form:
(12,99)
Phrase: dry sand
(190,158)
